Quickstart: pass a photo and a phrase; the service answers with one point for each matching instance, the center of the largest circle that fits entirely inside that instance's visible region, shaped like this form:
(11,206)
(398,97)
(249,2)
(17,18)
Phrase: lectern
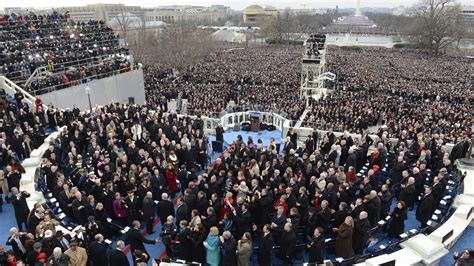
(255,122)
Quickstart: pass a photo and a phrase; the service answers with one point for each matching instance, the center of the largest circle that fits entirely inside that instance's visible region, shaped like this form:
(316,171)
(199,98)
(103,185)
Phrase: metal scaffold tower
(313,68)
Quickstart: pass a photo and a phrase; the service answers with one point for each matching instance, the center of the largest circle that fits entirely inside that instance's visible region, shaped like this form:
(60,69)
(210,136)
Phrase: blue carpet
(465,242)
(7,221)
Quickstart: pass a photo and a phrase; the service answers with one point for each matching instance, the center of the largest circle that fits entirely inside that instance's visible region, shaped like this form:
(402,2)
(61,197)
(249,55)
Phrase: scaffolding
(313,68)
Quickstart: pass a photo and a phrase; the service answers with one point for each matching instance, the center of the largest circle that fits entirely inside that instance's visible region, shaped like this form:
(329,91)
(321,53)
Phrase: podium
(255,125)
(255,122)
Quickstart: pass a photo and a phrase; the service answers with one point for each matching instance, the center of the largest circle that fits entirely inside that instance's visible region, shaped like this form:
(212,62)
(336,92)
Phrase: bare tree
(124,22)
(435,23)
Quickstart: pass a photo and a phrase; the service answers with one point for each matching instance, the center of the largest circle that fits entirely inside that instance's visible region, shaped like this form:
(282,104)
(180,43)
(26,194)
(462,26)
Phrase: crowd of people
(246,76)
(116,162)
(132,165)
(70,51)
(403,89)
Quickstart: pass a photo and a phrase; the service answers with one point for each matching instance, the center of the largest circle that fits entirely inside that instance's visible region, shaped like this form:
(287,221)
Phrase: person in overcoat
(344,238)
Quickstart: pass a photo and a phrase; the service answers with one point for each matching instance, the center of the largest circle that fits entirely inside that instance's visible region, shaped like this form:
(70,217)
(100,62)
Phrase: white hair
(57,251)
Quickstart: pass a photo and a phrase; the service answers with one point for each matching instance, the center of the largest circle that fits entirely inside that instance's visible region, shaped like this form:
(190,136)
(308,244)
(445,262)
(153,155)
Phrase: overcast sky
(234,4)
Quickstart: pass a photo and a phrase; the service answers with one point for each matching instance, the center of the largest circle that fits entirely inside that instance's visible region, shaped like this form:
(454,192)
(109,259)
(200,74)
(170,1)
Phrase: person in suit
(148,215)
(360,235)
(117,256)
(78,208)
(385,200)
(17,241)
(407,193)
(186,243)
(426,207)
(287,244)
(397,225)
(98,251)
(316,246)
(137,240)
(278,223)
(133,205)
(242,220)
(164,208)
(63,240)
(265,248)
(182,211)
(20,207)
(229,249)
(244,249)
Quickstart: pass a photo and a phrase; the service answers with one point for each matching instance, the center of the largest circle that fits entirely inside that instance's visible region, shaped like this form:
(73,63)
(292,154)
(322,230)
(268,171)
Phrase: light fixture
(37,37)
(37,55)
(51,36)
(71,36)
(95,44)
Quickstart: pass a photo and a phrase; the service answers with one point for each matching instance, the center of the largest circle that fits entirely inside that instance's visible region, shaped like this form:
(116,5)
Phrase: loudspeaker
(131,100)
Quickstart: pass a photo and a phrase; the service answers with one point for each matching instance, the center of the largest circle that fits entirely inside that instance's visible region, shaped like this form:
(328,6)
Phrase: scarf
(213,241)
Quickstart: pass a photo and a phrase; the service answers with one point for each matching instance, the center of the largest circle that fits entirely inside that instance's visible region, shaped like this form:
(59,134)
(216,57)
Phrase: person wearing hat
(42,259)
(63,240)
(77,255)
(49,242)
(32,255)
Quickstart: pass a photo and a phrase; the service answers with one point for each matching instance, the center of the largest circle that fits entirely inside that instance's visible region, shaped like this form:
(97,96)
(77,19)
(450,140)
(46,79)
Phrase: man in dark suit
(98,251)
(190,199)
(242,220)
(182,211)
(137,240)
(117,257)
(278,223)
(17,241)
(164,208)
(148,215)
(229,249)
(316,247)
(20,207)
(426,207)
(133,205)
(287,244)
(265,248)
(407,193)
(360,236)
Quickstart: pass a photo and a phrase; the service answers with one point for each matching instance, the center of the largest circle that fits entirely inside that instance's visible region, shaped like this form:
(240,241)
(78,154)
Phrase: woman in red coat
(171,179)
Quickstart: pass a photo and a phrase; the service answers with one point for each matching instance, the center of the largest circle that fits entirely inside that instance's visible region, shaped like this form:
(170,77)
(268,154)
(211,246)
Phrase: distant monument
(357,12)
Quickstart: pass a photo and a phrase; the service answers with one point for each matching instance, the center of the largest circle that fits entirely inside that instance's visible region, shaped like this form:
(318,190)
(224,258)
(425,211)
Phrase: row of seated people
(106,171)
(57,43)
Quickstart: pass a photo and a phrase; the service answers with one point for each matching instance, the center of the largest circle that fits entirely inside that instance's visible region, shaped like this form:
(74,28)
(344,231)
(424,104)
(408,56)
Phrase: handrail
(27,96)
(38,70)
